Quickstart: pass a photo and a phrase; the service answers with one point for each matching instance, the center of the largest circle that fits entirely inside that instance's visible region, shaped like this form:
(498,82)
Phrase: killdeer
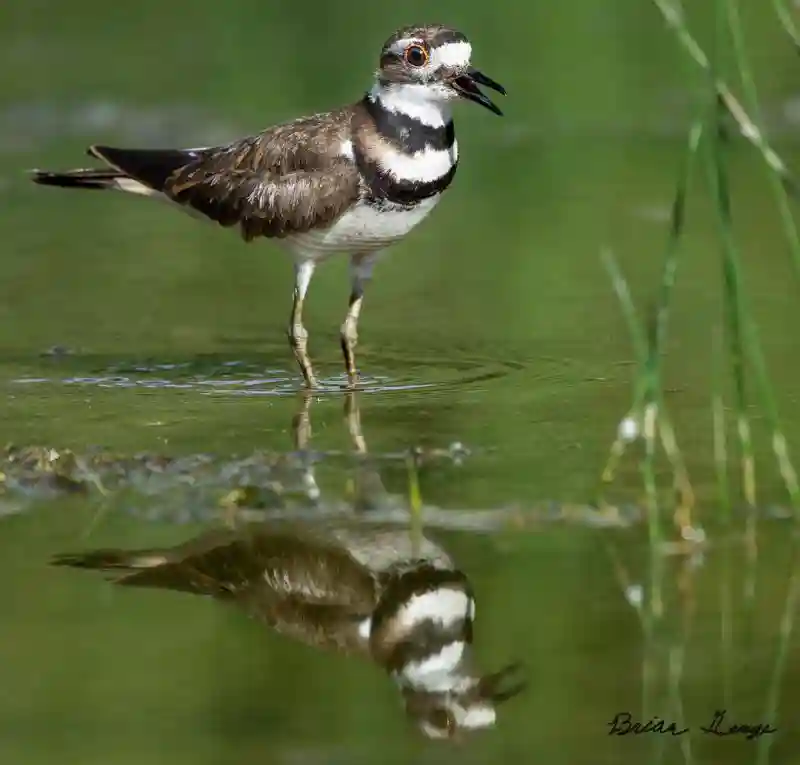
(373,592)
(352,180)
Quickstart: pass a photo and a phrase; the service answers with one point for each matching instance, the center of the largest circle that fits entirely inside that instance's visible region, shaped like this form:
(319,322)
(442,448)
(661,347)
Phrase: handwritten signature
(623,724)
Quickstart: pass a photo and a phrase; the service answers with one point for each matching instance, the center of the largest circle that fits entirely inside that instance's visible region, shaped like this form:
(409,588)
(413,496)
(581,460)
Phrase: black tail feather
(144,568)
(101,559)
(104,559)
(149,166)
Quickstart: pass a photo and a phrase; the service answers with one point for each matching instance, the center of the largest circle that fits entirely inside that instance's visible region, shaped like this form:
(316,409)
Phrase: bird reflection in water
(368,590)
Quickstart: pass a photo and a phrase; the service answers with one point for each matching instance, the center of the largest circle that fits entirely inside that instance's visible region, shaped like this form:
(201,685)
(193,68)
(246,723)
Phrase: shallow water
(149,394)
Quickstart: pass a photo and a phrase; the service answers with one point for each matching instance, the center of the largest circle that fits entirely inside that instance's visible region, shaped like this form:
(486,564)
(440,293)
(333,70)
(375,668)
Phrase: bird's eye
(416,55)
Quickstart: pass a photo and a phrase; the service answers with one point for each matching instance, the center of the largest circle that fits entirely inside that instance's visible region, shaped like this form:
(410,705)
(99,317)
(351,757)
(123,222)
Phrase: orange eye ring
(415,55)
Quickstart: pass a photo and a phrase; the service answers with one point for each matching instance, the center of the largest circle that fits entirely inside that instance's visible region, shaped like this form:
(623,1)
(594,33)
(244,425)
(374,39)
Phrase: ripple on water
(240,378)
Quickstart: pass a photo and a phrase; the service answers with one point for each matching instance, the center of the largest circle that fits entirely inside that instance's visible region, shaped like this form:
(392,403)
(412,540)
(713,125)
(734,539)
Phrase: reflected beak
(503,684)
(466,85)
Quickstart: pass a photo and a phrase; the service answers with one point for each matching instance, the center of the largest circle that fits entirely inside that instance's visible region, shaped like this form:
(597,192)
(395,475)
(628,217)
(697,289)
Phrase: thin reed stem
(720,431)
(674,16)
(677,223)
(734,23)
(732,302)
(779,445)
(787,22)
(414,500)
(648,390)
(642,346)
(779,668)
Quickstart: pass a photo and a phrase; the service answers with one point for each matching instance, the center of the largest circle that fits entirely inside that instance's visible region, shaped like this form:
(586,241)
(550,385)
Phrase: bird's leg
(301,424)
(301,430)
(365,486)
(360,274)
(352,416)
(349,334)
(298,335)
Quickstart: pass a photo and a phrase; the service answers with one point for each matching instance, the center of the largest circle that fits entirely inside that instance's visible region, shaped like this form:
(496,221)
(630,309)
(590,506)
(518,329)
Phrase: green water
(493,326)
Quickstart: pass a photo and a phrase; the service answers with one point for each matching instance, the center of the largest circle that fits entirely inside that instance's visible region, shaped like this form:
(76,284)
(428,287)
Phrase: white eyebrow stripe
(401,45)
(476,716)
(454,55)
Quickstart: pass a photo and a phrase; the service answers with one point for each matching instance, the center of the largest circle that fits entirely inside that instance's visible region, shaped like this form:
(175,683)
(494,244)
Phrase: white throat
(427,103)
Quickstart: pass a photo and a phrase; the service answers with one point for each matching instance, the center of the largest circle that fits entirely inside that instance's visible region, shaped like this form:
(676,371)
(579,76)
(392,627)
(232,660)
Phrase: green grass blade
(674,16)
(734,23)
(787,22)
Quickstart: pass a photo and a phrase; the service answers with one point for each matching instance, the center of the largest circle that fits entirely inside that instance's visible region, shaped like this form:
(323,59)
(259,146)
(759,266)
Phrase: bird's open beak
(466,85)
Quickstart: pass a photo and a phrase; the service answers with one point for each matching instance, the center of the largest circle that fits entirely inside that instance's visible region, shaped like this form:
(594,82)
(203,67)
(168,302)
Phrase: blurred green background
(494,325)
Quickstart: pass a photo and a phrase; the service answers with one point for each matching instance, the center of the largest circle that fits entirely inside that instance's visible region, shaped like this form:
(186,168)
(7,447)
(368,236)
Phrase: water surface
(491,340)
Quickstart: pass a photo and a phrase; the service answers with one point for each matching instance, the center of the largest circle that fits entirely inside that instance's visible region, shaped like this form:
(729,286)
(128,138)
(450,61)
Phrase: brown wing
(264,203)
(303,585)
(324,625)
(287,179)
(281,562)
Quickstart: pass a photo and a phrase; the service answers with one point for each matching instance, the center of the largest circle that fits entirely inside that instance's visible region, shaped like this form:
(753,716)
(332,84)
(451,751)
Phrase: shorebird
(352,180)
(370,592)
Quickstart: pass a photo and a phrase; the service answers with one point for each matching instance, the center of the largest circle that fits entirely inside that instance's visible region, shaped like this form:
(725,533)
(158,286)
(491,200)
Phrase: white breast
(363,228)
